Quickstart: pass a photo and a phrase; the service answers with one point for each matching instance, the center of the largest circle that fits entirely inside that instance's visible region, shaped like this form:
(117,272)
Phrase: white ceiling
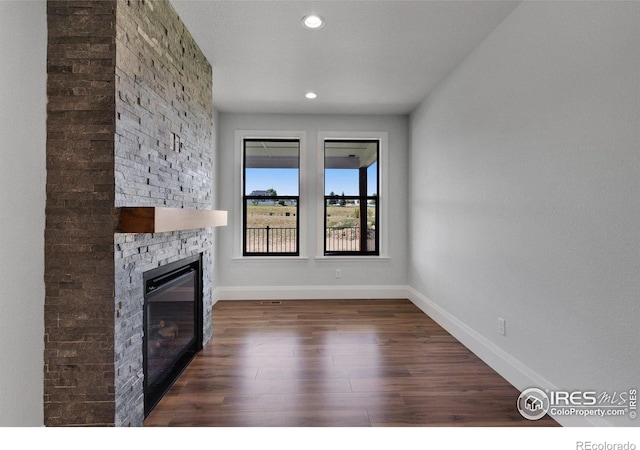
(371,57)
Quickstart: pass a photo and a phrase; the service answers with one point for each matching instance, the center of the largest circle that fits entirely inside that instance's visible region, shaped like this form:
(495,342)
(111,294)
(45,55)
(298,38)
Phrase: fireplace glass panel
(170,319)
(172,325)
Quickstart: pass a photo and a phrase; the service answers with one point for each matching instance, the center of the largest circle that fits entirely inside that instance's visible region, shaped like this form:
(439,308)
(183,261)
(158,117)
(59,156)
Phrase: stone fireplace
(129,123)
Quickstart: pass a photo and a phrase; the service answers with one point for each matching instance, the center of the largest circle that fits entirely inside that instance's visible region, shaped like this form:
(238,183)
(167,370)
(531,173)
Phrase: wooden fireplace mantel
(147,219)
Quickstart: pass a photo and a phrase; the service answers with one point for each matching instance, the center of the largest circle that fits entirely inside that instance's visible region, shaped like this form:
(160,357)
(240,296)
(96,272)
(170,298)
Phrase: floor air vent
(270,302)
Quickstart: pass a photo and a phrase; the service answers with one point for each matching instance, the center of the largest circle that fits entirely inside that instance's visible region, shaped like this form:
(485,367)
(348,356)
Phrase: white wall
(525,197)
(23,38)
(309,277)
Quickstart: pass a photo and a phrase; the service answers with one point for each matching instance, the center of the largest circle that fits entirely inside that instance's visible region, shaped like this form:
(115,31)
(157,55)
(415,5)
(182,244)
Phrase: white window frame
(383,184)
(240,136)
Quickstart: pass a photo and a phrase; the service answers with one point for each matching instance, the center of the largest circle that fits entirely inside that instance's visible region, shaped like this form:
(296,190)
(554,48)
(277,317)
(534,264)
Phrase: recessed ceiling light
(310,95)
(313,21)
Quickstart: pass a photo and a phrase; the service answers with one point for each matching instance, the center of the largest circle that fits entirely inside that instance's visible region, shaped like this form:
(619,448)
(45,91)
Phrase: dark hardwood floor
(351,363)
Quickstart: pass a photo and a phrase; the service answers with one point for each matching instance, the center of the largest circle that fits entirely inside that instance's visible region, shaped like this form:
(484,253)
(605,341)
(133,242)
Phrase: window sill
(320,259)
(269,259)
(354,258)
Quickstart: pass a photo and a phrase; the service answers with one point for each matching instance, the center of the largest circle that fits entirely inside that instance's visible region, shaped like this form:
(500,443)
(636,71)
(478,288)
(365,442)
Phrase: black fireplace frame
(153,393)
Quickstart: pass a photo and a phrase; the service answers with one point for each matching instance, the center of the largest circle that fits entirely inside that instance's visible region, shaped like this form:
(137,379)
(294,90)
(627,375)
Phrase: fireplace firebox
(172,324)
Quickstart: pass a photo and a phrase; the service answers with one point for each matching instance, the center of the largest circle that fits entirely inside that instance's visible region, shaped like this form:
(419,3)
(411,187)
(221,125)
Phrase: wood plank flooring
(350,363)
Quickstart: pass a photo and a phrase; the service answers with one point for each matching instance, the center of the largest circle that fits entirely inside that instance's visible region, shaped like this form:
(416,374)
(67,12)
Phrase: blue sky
(285,181)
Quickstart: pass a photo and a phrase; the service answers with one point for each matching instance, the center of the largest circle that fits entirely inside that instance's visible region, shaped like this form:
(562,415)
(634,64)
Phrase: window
(271,184)
(351,200)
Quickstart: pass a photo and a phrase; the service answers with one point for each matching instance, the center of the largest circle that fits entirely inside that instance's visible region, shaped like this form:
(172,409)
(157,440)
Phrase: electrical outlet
(502,326)
(338,273)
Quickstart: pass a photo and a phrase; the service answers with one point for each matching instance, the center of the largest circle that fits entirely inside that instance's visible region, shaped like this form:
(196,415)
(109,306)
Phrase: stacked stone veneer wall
(129,124)
(79,270)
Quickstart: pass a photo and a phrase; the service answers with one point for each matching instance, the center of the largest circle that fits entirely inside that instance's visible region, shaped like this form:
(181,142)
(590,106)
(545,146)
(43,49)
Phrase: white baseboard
(307,292)
(510,368)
